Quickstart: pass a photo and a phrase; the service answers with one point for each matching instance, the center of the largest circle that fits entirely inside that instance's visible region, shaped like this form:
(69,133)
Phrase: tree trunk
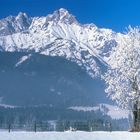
(136,106)
(136,118)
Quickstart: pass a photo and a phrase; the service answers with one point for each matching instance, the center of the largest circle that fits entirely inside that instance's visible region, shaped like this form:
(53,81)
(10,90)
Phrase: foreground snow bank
(69,136)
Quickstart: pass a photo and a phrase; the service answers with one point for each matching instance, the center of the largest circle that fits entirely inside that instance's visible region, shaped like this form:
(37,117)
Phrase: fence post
(35,126)
(110,127)
(9,128)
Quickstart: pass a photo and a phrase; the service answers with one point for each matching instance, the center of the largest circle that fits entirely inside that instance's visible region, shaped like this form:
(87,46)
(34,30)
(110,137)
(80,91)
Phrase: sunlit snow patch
(113,111)
(22,59)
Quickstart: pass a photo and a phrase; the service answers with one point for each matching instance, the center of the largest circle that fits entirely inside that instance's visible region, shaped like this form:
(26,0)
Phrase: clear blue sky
(114,14)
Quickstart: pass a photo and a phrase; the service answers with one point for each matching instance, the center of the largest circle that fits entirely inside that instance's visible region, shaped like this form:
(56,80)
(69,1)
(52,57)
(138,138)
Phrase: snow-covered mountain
(42,68)
(58,34)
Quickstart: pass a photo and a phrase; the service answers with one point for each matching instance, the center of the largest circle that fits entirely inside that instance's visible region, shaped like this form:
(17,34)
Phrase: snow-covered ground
(69,136)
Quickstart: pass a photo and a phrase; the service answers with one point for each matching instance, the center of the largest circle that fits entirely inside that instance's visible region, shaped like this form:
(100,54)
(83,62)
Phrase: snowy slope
(58,34)
(113,111)
(69,136)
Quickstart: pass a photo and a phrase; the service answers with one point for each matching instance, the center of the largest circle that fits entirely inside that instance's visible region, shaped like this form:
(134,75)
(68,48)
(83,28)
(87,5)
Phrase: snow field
(69,136)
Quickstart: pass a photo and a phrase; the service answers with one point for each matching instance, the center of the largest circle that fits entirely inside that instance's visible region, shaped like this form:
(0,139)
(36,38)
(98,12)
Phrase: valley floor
(69,136)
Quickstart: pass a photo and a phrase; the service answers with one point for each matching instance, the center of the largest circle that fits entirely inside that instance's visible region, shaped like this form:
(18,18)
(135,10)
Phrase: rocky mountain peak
(62,15)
